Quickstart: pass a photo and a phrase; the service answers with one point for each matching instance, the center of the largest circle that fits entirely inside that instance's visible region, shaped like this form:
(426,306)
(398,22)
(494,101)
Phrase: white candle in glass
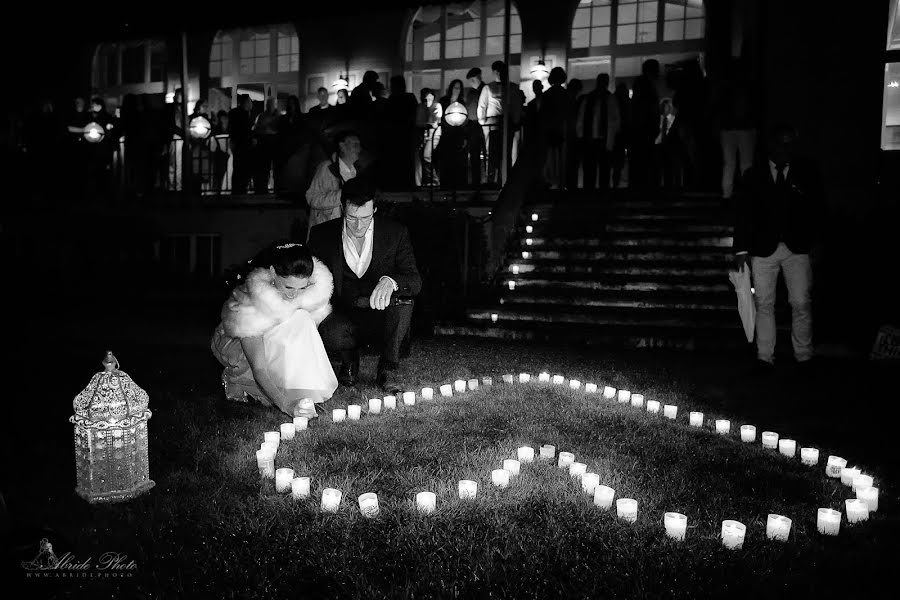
(338,415)
(272,436)
(473,385)
(590,388)
(544,377)
(512,465)
(558,379)
(528,241)
(696,419)
(723,426)
(409,398)
(623,396)
(467,489)
(548,451)
(565,459)
(525,454)
(446,390)
(487,381)
(511,284)
(389,402)
(769,439)
(494,317)
(368,504)
(426,502)
(733,534)
(848,473)
(283,478)
(787,447)
(459,386)
(834,466)
(869,496)
(809,456)
(427,393)
(862,482)
(301,423)
(589,482)
(508,378)
(778,527)
(265,461)
(603,496)
(627,508)
(354,411)
(514,269)
(609,392)
(676,525)
(828,521)
(271,447)
(574,384)
(524,377)
(857,510)
(526,255)
(670,411)
(287,431)
(748,433)
(374,406)
(637,400)
(577,469)
(534,217)
(653,406)
(500,477)
(331,499)
(300,487)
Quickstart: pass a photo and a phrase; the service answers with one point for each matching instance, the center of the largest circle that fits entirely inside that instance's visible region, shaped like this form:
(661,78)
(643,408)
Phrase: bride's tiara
(286,246)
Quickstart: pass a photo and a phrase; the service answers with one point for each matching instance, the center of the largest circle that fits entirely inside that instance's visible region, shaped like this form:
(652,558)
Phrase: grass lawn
(213,528)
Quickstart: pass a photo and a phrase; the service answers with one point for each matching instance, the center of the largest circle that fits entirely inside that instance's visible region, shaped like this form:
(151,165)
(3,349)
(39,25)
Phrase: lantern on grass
(94,132)
(200,128)
(456,114)
(111,437)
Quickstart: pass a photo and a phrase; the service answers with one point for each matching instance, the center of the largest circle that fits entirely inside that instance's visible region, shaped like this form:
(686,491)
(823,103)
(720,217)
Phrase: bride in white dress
(268,339)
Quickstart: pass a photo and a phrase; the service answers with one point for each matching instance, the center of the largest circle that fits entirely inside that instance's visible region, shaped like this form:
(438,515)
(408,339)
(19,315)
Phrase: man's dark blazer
(392,254)
(767,215)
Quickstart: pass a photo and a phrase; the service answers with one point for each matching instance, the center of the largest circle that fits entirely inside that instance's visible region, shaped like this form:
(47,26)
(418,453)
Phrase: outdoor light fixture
(200,128)
(456,114)
(540,70)
(94,132)
(341,83)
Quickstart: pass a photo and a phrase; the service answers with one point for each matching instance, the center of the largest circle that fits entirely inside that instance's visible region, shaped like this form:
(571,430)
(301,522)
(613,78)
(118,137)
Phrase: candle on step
(857,510)
(526,255)
(544,377)
(670,411)
(733,534)
(676,525)
(473,384)
(467,489)
(374,406)
(653,406)
(524,377)
(565,459)
(787,447)
(300,487)
(589,482)
(265,461)
(603,496)
(828,521)
(283,478)
(426,502)
(529,241)
(696,419)
(769,439)
(548,451)
(637,400)
(809,456)
(409,398)
(848,473)
(338,415)
(778,527)
(627,508)
(427,393)
(459,386)
(574,384)
(511,284)
(623,396)
(590,388)
(534,216)
(331,499)
(389,402)
(287,431)
(558,379)
(354,411)
(609,392)
(494,317)
(525,454)
(870,497)
(577,469)
(301,423)
(529,229)
(723,426)
(272,436)
(512,465)
(862,482)
(368,504)
(507,378)
(748,433)
(834,466)
(487,381)
(515,269)
(446,390)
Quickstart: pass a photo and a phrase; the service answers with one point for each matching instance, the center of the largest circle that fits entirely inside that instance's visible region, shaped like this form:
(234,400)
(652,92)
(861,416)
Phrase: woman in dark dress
(451,154)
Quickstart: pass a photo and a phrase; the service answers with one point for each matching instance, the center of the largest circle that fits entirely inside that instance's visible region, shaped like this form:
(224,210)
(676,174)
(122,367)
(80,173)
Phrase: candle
(459,386)
(331,499)
(528,241)
(558,379)
(787,447)
(577,469)
(590,388)
(848,473)
(534,217)
(809,456)
(862,482)
(544,377)
(676,525)
(526,255)
(589,482)
(623,396)
(524,377)
(525,454)
(494,317)
(778,528)
(512,285)
(300,487)
(409,398)
(637,400)
(368,504)
(748,433)
(515,269)
(834,466)
(507,378)
(574,384)
(696,419)
(653,406)
(500,477)
(769,439)
(467,489)
(473,384)
(446,390)
(271,447)
(265,461)
(626,508)
(427,393)
(565,459)
(374,406)
(857,510)
(338,415)
(487,381)
(301,423)
(354,411)
(603,496)
(828,521)
(389,402)
(283,478)
(670,411)
(426,502)
(723,426)
(870,497)
(733,534)
(272,436)
(512,465)
(548,451)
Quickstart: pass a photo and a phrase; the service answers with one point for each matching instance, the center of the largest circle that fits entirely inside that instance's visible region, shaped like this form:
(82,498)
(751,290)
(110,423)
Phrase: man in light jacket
(324,193)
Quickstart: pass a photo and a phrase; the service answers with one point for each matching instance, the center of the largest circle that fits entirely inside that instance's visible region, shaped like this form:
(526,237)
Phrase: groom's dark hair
(358,191)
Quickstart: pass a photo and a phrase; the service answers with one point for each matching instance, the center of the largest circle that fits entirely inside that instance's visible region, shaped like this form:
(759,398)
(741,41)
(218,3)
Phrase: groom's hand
(381,295)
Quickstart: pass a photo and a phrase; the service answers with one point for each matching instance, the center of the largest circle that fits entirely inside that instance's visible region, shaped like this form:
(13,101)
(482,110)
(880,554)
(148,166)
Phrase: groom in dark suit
(375,279)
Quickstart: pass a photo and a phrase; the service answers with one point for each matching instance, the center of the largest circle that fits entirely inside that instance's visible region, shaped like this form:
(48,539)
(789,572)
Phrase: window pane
(434,37)
(625,34)
(693,13)
(472,47)
(495,26)
(133,64)
(295,62)
(494,45)
(646,32)
(580,38)
(472,29)
(215,52)
(600,36)
(582,18)
(246,49)
(455,32)
(284,44)
(515,44)
(693,29)
(246,66)
(648,12)
(215,69)
(674,30)
(674,11)
(262,47)
(890,133)
(262,65)
(409,52)
(602,15)
(284,63)
(627,13)
(226,68)
(432,51)
(227,51)
(453,49)
(894,32)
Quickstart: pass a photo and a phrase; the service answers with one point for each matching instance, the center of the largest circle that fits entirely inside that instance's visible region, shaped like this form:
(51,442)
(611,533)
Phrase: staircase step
(664,228)
(604,316)
(630,239)
(634,300)
(647,268)
(668,254)
(528,283)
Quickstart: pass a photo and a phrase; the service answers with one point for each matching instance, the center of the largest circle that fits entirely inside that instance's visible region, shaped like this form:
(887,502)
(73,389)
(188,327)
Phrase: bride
(268,339)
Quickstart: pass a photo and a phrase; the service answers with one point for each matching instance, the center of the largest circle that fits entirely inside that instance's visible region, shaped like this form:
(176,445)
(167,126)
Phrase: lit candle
(354,411)
(515,269)
(368,504)
(271,447)
(524,377)
(828,521)
(409,398)
(848,473)
(603,496)
(272,436)
(723,426)
(507,378)
(769,439)
(427,393)
(529,241)
(577,469)
(696,419)
(544,377)
(459,386)
(473,384)
(637,400)
(494,317)
(670,411)
(574,384)
(331,499)
(748,433)
(512,465)
(526,255)
(487,381)
(300,487)
(623,396)
(809,456)
(857,510)
(590,388)
(676,525)
(787,447)
(426,502)
(653,406)
(870,497)
(733,534)
(534,217)
(338,415)
(862,482)
(374,406)
(512,285)
(500,477)
(626,508)
(389,402)
(565,459)
(589,482)
(558,379)
(778,528)
(265,461)
(283,478)
(529,229)
(834,466)
(548,451)
(525,454)
(467,489)
(301,423)
(446,390)
(609,392)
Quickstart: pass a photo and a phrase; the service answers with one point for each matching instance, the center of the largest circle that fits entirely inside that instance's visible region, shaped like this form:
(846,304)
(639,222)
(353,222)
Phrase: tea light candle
(374,406)
(426,502)
(748,433)
(467,489)
(525,454)
(487,381)
(857,510)
(778,528)
(623,396)
(473,384)
(565,459)
(544,377)
(389,402)
(283,478)
(446,390)
(368,504)
(869,496)
(809,456)
(862,482)
(354,411)
(653,406)
(494,317)
(723,426)
(848,473)
(603,496)
(301,423)
(733,534)
(427,393)
(670,411)
(272,436)
(676,525)
(575,384)
(300,487)
(590,388)
(459,386)
(787,447)
(548,451)
(265,461)
(626,508)
(577,469)
(834,466)
(511,284)
(696,419)
(512,466)
(828,521)
(769,439)
(409,398)
(507,378)
(558,379)
(589,482)
(338,415)
(609,392)
(637,400)
(331,499)
(526,255)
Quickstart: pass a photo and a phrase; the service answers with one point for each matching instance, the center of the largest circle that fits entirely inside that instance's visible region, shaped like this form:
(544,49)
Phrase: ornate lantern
(456,114)
(111,437)
(341,83)
(200,127)
(540,70)
(94,132)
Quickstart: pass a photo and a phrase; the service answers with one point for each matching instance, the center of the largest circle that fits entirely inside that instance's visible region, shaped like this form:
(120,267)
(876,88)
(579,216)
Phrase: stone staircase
(622,271)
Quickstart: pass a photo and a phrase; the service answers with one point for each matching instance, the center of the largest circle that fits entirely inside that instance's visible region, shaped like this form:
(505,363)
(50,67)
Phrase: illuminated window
(683,20)
(288,52)
(593,24)
(221,56)
(636,21)
(471,30)
(255,52)
(894,27)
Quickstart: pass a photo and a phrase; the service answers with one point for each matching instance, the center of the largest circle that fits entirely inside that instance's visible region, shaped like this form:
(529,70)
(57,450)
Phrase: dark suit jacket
(392,254)
(767,215)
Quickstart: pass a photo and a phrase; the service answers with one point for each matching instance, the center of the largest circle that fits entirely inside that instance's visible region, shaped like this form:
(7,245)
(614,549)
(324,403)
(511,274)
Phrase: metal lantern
(94,132)
(341,83)
(540,70)
(200,127)
(456,114)
(111,437)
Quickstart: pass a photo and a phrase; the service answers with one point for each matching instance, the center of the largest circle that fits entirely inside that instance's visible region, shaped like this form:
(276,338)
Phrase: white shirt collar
(358,261)
(347,171)
(773,169)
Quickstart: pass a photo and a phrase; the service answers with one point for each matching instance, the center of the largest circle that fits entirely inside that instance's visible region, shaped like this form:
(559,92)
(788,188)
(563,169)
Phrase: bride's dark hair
(289,260)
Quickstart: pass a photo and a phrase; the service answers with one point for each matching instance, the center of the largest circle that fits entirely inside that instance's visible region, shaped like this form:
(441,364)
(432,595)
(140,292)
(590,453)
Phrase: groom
(375,279)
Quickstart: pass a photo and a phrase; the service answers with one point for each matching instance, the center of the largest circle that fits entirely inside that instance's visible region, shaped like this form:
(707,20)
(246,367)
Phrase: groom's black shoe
(386,378)
(349,370)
